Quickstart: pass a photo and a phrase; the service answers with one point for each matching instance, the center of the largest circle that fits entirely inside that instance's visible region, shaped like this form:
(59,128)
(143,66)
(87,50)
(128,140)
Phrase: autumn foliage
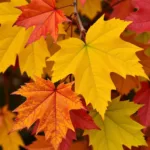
(88,65)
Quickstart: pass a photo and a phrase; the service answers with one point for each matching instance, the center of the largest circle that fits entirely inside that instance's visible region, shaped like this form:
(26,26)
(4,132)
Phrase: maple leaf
(81,119)
(93,61)
(8,12)
(50,106)
(93,5)
(145,61)
(44,16)
(143,97)
(140,18)
(8,141)
(141,147)
(119,11)
(67,142)
(28,57)
(32,59)
(136,11)
(117,128)
(124,85)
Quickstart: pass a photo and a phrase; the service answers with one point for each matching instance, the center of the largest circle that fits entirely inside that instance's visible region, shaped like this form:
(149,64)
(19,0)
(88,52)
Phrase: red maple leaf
(140,18)
(44,16)
(136,11)
(66,143)
(81,119)
(118,9)
(143,97)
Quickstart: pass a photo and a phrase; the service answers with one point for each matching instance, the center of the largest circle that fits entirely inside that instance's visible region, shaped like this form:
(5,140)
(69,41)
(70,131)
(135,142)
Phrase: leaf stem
(82,29)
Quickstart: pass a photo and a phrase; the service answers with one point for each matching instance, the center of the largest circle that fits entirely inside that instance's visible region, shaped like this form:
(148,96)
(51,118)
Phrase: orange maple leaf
(124,85)
(44,16)
(50,106)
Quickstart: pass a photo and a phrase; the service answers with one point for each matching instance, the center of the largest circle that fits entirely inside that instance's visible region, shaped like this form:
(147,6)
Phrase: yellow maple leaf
(90,8)
(8,12)
(8,48)
(50,105)
(117,129)
(93,61)
(32,59)
(8,141)
(12,43)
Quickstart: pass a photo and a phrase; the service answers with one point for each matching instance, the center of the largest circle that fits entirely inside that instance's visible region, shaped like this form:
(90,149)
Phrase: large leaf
(117,129)
(93,61)
(124,85)
(49,105)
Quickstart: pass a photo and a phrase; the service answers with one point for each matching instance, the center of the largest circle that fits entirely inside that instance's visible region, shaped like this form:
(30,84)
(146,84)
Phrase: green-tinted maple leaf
(117,128)
(93,61)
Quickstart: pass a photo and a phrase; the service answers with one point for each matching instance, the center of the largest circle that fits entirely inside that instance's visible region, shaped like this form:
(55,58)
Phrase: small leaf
(44,16)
